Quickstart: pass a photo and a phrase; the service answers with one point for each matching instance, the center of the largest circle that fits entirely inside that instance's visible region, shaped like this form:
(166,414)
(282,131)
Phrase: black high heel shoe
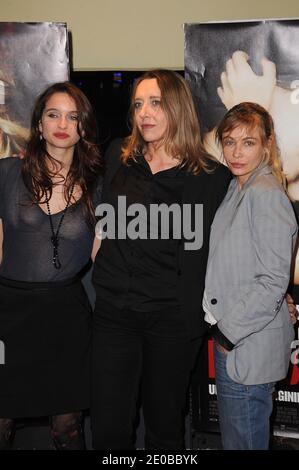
(7,436)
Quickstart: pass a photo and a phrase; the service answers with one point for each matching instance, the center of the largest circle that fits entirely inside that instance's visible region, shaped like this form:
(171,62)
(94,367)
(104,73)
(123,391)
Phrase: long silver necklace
(55,234)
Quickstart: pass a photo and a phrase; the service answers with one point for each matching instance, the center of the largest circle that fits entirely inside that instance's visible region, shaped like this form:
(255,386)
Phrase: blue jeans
(244,410)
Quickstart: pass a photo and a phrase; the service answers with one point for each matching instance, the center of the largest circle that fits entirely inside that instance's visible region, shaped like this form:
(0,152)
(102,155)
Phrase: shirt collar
(262,169)
(171,172)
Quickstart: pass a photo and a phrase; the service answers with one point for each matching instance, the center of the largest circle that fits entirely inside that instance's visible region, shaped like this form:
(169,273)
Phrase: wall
(137,34)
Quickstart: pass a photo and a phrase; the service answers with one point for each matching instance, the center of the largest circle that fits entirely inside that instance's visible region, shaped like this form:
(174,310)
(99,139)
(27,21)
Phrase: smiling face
(243,151)
(59,123)
(149,116)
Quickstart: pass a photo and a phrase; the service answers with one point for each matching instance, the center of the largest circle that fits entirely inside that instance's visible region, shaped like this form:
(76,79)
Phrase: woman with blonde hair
(251,245)
(148,321)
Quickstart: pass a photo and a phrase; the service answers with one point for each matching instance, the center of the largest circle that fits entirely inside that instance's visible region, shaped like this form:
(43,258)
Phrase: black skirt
(45,332)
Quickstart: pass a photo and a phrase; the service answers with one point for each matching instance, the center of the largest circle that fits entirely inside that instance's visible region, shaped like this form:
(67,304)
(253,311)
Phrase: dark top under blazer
(207,189)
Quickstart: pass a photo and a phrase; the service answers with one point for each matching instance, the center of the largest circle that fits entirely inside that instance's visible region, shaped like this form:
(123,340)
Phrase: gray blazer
(251,245)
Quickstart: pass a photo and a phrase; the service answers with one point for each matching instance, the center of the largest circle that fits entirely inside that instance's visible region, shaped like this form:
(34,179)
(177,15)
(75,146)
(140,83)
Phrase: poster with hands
(231,62)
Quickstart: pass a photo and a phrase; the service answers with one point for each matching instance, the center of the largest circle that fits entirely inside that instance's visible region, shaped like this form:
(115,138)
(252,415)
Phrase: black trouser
(129,347)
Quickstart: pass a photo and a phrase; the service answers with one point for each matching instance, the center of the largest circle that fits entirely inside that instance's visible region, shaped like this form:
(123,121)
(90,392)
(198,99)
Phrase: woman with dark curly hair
(47,202)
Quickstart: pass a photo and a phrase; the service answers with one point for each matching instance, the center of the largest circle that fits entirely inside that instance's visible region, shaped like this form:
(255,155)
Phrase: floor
(36,436)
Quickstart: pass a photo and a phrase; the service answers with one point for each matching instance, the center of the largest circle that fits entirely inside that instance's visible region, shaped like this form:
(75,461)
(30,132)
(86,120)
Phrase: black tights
(66,431)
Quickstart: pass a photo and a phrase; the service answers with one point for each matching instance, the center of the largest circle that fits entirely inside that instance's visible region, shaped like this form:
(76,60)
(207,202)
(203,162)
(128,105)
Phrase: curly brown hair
(87,163)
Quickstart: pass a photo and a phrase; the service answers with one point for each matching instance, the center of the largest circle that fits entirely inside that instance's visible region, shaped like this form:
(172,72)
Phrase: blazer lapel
(229,215)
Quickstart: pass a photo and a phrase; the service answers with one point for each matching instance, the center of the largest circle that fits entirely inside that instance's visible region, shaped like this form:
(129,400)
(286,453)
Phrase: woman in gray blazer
(251,245)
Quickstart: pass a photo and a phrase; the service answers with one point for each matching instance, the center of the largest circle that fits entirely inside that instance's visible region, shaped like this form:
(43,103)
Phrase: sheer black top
(141,273)
(27,247)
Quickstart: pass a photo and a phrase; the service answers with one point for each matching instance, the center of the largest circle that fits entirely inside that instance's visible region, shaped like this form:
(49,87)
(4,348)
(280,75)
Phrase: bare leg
(67,432)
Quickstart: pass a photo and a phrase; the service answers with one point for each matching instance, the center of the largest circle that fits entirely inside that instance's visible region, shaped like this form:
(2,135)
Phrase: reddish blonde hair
(254,116)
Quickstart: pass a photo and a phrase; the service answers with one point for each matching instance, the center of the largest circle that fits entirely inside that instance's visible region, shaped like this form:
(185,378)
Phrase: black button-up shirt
(140,274)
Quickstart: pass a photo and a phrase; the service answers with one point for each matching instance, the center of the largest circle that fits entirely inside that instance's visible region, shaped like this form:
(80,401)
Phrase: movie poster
(33,55)
(225,64)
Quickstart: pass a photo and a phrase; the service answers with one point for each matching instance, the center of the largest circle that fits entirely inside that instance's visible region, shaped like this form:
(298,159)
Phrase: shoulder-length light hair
(254,116)
(182,139)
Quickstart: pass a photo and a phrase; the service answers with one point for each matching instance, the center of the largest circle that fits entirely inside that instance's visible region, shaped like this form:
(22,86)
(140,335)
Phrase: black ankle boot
(6,438)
